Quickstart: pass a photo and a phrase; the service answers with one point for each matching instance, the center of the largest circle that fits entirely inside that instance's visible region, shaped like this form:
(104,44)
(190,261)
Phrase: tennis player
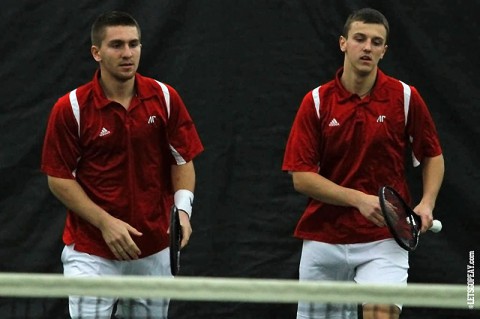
(348,139)
(118,153)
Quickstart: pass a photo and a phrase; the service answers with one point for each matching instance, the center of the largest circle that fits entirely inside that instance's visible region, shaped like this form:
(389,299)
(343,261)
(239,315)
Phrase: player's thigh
(323,261)
(381,262)
(142,308)
(78,264)
(154,265)
(385,262)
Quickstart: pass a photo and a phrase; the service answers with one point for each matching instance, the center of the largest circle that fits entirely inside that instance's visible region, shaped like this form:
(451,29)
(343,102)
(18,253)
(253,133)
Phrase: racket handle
(436,226)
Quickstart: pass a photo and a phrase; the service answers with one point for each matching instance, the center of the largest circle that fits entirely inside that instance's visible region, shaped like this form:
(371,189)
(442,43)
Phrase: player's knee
(381,311)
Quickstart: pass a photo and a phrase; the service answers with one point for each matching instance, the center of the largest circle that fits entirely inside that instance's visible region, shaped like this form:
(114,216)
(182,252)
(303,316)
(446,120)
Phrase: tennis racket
(175,240)
(402,221)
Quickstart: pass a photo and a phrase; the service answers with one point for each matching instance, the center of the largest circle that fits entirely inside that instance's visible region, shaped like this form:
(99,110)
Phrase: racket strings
(401,223)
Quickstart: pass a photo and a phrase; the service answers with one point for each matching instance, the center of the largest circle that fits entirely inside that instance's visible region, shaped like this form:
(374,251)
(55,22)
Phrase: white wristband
(183,199)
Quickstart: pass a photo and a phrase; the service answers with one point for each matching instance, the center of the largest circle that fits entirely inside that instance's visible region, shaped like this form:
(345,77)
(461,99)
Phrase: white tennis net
(18,286)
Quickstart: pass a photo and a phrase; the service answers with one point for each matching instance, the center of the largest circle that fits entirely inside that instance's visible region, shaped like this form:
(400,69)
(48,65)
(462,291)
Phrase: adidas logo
(334,123)
(104,132)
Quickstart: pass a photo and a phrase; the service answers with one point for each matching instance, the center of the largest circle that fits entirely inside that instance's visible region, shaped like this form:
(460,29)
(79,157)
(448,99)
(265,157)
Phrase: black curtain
(242,68)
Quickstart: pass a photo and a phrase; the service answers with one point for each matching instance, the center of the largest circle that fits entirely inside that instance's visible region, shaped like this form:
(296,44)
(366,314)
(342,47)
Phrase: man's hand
(118,236)
(426,214)
(186,228)
(369,207)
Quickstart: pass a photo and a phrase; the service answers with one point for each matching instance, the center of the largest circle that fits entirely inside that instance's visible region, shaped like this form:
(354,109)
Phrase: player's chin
(365,69)
(126,73)
(125,76)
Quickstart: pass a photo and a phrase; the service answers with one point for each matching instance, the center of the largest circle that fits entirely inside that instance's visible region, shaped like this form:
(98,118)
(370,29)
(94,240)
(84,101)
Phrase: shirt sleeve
(421,129)
(61,149)
(302,149)
(183,137)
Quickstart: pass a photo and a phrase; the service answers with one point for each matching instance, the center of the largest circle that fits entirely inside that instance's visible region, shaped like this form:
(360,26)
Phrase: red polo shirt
(360,144)
(121,158)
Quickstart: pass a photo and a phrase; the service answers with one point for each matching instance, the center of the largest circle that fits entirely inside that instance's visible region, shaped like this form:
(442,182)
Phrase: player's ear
(384,51)
(96,53)
(342,41)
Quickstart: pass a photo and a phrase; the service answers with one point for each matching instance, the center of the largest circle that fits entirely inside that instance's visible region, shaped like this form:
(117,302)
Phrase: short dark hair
(366,15)
(110,19)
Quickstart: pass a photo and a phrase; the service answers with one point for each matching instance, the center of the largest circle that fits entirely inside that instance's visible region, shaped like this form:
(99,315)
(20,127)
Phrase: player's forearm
(183,180)
(71,194)
(183,177)
(433,169)
(318,187)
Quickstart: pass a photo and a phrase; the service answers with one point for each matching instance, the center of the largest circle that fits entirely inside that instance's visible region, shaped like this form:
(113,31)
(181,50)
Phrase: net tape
(235,289)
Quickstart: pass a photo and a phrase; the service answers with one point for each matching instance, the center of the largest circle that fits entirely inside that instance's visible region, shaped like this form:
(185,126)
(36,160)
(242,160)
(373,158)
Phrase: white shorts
(381,261)
(78,264)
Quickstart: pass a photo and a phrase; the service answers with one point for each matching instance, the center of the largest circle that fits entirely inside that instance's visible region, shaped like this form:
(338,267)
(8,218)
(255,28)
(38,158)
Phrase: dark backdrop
(242,68)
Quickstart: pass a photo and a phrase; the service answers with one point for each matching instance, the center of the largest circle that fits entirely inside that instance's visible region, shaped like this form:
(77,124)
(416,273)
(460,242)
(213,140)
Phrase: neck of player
(118,91)
(357,83)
